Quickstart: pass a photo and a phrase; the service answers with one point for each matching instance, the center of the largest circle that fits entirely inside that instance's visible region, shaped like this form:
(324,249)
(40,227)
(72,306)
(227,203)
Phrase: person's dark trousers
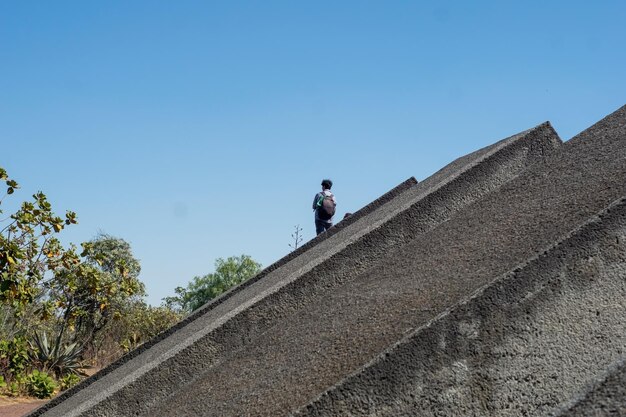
(321,226)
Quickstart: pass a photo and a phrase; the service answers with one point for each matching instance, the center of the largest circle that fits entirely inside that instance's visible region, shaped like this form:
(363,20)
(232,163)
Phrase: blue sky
(198,129)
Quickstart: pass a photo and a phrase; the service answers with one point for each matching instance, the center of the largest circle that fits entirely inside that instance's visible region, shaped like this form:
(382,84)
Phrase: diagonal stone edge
(385,198)
(365,377)
(522,150)
(364,211)
(537,141)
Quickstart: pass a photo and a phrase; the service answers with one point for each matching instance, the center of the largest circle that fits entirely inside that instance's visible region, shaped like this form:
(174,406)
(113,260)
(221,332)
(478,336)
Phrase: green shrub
(13,357)
(40,384)
(68,381)
(13,362)
(15,387)
(54,357)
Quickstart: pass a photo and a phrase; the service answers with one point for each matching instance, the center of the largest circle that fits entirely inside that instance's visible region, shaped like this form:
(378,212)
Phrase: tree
(140,322)
(80,300)
(91,293)
(29,249)
(228,273)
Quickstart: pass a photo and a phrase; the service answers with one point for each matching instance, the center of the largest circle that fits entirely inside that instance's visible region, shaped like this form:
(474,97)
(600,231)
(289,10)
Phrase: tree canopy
(29,248)
(228,273)
(90,294)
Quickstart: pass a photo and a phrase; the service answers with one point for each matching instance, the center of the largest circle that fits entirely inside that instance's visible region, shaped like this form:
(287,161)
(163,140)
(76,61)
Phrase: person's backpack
(325,207)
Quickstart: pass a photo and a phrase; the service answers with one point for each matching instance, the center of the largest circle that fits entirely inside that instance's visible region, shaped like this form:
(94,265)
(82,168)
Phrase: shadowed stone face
(486,289)
(544,329)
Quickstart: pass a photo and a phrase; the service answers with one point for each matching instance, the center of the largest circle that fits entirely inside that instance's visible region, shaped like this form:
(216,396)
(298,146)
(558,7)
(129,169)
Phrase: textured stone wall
(144,380)
(495,287)
(605,397)
(524,345)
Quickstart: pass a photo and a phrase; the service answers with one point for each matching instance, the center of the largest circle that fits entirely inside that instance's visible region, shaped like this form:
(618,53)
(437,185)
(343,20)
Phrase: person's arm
(315,200)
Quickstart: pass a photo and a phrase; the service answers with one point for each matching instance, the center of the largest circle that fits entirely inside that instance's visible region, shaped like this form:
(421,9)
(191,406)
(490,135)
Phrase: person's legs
(321,226)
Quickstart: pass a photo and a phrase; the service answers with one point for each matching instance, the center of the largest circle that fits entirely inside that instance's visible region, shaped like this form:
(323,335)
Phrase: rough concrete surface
(605,397)
(148,352)
(144,383)
(341,331)
(521,346)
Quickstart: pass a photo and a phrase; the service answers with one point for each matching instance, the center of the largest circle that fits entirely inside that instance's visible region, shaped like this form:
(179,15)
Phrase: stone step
(163,342)
(527,342)
(147,379)
(523,345)
(342,332)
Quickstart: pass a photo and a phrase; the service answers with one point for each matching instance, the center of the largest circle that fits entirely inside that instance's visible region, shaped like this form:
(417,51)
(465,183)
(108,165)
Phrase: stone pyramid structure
(495,287)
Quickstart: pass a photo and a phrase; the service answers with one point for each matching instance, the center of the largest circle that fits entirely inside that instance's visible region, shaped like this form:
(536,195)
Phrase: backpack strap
(320,200)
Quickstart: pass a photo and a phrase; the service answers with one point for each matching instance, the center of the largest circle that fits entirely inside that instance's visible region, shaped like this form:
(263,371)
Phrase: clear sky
(202,129)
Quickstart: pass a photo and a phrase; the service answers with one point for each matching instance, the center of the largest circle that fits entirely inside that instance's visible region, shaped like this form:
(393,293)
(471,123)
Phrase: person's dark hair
(327,184)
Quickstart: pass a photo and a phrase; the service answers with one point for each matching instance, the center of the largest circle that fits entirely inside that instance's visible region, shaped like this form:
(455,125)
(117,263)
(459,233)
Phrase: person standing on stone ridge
(324,205)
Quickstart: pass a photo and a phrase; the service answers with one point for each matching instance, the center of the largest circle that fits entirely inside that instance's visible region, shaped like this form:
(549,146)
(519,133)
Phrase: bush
(68,381)
(134,324)
(40,384)
(55,357)
(13,358)
(15,388)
